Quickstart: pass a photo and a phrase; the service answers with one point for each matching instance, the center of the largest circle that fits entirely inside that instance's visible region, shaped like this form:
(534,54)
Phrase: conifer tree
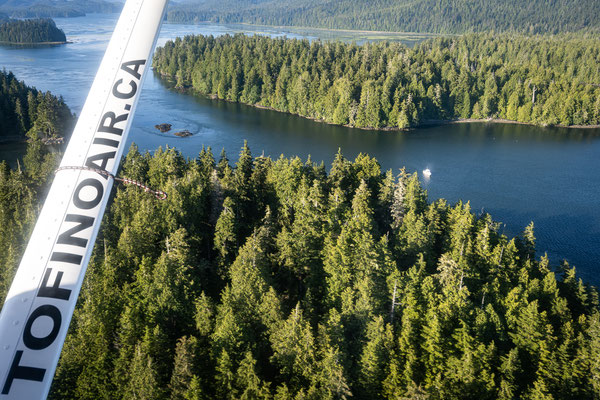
(226,236)
(184,370)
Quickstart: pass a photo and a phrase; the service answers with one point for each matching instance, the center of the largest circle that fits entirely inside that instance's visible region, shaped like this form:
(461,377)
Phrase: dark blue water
(517,173)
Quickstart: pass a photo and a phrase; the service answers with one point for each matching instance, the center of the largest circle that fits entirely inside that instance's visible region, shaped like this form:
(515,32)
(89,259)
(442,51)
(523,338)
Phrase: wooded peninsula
(541,80)
(286,279)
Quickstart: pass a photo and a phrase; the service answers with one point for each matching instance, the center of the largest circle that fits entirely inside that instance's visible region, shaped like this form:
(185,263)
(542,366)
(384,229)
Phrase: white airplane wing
(38,309)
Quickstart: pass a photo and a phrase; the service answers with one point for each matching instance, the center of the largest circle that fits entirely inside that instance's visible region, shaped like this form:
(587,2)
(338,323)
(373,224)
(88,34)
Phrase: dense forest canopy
(435,16)
(273,279)
(31,31)
(57,8)
(27,112)
(544,80)
(282,279)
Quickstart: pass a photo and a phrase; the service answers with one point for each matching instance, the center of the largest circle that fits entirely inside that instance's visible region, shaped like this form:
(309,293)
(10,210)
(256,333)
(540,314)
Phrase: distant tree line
(27,112)
(540,80)
(435,16)
(273,279)
(45,11)
(58,8)
(31,31)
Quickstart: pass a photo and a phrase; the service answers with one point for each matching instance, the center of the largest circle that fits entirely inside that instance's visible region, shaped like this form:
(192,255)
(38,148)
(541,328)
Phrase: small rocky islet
(164,128)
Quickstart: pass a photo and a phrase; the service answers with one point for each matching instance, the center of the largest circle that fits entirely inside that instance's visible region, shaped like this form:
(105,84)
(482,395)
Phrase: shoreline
(290,27)
(355,31)
(35,44)
(500,121)
(424,124)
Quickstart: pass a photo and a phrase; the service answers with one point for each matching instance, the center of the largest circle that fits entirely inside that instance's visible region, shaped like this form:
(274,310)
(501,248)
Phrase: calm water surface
(517,173)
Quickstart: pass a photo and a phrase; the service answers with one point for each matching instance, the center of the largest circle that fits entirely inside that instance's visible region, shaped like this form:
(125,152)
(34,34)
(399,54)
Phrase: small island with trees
(31,32)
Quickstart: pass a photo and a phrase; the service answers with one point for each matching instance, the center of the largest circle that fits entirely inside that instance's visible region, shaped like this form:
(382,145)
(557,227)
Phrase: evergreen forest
(433,16)
(286,279)
(275,279)
(26,112)
(31,31)
(57,8)
(542,80)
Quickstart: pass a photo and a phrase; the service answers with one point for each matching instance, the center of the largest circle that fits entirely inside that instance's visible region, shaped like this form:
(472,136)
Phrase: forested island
(57,8)
(26,112)
(31,31)
(433,16)
(541,80)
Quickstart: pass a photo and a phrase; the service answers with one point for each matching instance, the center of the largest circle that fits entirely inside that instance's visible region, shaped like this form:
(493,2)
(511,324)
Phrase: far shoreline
(34,44)
(421,125)
(500,121)
(317,28)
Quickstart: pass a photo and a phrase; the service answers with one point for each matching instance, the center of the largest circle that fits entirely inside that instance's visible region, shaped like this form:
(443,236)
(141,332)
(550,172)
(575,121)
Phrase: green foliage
(31,31)
(24,111)
(333,286)
(22,189)
(453,16)
(543,80)
(57,8)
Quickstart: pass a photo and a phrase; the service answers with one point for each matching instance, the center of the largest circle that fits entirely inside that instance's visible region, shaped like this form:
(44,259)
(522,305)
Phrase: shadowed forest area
(26,112)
